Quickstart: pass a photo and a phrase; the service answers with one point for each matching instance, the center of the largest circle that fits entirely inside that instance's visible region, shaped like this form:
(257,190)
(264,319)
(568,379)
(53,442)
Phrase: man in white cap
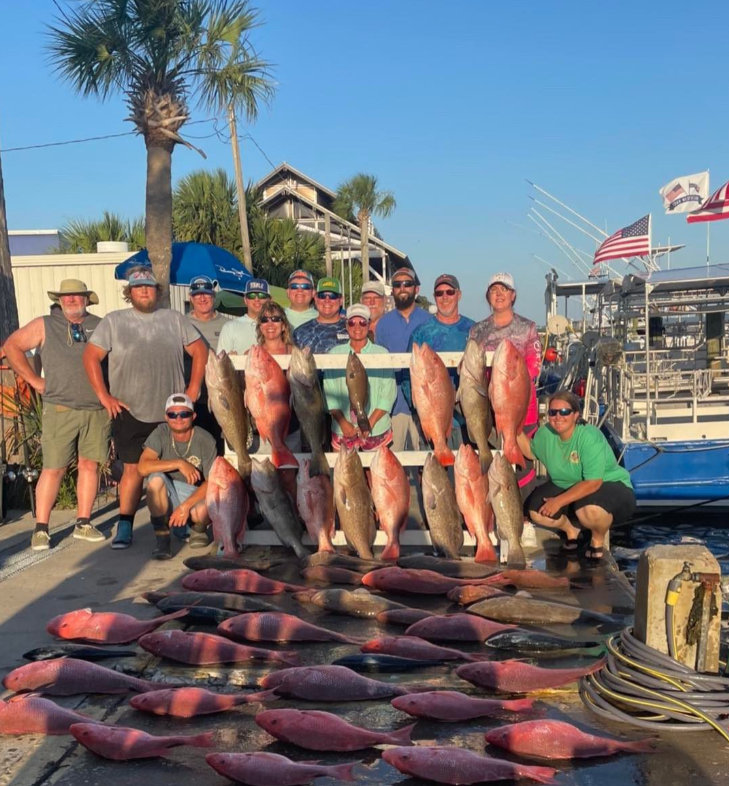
(300,292)
(381,391)
(373,296)
(176,460)
(74,422)
(145,346)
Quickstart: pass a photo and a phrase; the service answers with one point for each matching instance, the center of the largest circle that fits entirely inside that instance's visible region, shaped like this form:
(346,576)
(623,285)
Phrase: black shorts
(129,436)
(614,497)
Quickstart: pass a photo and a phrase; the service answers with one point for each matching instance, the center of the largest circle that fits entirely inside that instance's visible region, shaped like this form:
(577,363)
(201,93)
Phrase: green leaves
(358,197)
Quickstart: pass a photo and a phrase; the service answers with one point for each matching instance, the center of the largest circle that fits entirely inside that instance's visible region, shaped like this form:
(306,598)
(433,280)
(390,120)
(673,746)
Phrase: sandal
(595,553)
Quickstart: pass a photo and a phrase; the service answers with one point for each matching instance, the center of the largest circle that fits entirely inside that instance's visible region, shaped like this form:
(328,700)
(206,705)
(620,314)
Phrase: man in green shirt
(585,479)
(382,390)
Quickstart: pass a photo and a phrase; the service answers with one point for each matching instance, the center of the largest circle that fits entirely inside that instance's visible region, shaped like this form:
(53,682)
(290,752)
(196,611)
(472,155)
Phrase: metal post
(708,224)
(240,188)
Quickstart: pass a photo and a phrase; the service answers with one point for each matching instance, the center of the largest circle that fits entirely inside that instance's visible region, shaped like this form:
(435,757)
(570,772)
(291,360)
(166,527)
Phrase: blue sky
(451,105)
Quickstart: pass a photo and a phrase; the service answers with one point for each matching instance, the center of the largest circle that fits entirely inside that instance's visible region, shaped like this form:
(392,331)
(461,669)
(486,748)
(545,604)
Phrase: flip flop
(595,553)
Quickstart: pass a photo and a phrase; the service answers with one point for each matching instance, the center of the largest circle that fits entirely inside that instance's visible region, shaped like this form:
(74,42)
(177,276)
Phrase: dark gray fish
(207,561)
(518,609)
(215,600)
(78,651)
(383,664)
(203,615)
(309,405)
(346,561)
(532,643)
(505,499)
(455,569)
(358,389)
(359,603)
(441,510)
(354,504)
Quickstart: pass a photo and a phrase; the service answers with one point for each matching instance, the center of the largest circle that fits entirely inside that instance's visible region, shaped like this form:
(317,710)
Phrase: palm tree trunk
(8,304)
(158,218)
(364,229)
(242,214)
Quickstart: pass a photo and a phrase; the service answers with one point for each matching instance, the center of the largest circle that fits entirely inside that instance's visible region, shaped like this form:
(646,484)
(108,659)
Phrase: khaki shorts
(70,432)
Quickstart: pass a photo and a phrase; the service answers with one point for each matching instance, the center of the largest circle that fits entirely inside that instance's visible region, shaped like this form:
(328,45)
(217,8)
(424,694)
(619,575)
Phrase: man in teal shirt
(382,390)
(300,292)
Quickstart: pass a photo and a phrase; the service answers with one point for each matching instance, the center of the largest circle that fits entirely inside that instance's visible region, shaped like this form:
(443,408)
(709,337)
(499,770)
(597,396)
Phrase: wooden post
(240,187)
(8,304)
(328,243)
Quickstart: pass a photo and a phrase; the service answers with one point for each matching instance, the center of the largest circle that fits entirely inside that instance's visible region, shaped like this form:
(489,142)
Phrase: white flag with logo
(685,194)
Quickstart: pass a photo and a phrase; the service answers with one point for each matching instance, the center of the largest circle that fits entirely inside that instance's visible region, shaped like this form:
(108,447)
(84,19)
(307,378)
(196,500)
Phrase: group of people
(137,375)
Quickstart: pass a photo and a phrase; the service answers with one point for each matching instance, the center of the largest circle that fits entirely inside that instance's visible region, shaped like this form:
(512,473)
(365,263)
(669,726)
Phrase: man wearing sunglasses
(239,335)
(300,291)
(74,422)
(446,331)
(329,328)
(176,460)
(393,332)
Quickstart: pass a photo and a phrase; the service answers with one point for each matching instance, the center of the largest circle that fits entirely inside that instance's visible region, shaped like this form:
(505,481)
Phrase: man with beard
(145,345)
(329,328)
(74,422)
(393,332)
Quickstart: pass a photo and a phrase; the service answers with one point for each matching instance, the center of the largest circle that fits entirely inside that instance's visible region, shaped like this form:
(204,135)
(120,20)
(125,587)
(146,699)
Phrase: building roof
(286,167)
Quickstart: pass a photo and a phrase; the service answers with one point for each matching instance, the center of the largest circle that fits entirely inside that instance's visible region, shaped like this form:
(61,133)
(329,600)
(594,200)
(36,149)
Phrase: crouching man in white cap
(176,460)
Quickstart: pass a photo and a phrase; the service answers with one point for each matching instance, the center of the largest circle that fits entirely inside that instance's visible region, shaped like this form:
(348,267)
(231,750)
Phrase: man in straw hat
(74,422)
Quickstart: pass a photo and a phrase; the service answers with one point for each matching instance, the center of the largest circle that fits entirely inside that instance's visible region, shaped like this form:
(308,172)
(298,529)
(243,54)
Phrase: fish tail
(342,771)
(282,457)
(245,465)
(512,453)
(319,465)
(539,774)
(301,552)
(289,656)
(392,549)
(363,423)
(325,543)
(401,736)
(444,456)
(648,745)
(516,557)
(206,740)
(518,705)
(485,551)
(175,615)
(261,695)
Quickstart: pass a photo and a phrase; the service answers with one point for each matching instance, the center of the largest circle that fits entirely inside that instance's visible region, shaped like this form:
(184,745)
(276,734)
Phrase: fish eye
(274,722)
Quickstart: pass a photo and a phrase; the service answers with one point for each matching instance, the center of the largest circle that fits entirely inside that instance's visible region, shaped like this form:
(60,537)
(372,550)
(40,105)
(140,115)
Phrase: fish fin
(206,740)
(512,453)
(402,736)
(261,695)
(283,458)
(485,459)
(539,774)
(343,772)
(444,456)
(363,423)
(648,745)
(485,551)
(319,465)
(391,550)
(518,705)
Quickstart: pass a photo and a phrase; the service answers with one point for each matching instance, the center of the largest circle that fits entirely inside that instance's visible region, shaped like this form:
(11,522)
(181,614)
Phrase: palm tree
(204,209)
(80,236)
(279,247)
(359,196)
(162,54)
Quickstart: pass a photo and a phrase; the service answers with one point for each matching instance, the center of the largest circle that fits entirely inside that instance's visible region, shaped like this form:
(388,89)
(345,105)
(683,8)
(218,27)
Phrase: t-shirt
(393,332)
(321,337)
(238,335)
(586,456)
(145,357)
(201,454)
(297,318)
(211,329)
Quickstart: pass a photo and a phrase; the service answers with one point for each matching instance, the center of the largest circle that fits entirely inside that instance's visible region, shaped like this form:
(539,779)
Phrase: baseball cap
(405,271)
(301,274)
(179,400)
(202,285)
(142,278)
(329,285)
(359,310)
(505,279)
(257,285)
(376,287)
(446,278)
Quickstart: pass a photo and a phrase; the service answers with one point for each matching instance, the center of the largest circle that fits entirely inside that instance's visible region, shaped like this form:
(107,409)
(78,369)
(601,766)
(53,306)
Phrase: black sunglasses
(200,287)
(327,296)
(443,292)
(78,334)
(403,284)
(264,320)
(257,296)
(175,415)
(357,323)
(563,412)
(300,286)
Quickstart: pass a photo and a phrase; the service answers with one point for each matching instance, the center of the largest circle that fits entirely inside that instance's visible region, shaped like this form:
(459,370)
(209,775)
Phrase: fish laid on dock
(190,702)
(77,651)
(514,676)
(530,611)
(67,677)
(241,604)
(205,561)
(377,663)
(416,648)
(121,744)
(323,574)
(359,603)
(452,706)
(456,627)
(458,569)
(414,582)
(329,683)
(31,714)
(243,581)
(271,769)
(105,627)
(280,627)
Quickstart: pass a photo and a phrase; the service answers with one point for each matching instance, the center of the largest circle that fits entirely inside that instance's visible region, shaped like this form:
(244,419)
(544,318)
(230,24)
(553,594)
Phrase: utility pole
(240,187)
(8,304)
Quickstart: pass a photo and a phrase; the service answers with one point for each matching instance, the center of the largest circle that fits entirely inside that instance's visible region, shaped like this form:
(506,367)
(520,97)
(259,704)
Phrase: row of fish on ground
(234,600)
(483,483)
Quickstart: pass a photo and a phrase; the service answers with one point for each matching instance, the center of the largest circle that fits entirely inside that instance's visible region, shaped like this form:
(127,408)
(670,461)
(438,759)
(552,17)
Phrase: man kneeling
(176,461)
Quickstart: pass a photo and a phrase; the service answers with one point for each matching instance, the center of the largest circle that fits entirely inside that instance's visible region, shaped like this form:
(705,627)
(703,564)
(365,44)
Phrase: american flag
(675,192)
(715,208)
(632,241)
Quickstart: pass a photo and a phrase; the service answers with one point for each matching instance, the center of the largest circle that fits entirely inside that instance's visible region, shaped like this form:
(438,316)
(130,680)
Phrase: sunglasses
(78,334)
(201,288)
(257,296)
(186,415)
(327,296)
(264,320)
(300,286)
(563,412)
(403,284)
(444,292)
(357,323)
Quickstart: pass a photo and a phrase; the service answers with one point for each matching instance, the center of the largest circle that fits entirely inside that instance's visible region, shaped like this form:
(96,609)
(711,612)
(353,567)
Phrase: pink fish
(199,649)
(451,765)
(277,626)
(322,731)
(456,627)
(530,579)
(510,392)
(434,397)
(105,627)
(227,503)
(472,496)
(329,683)
(452,706)
(30,713)
(270,769)
(414,581)
(552,739)
(68,676)
(515,676)
(120,743)
(315,501)
(416,649)
(268,397)
(242,581)
(391,495)
(191,702)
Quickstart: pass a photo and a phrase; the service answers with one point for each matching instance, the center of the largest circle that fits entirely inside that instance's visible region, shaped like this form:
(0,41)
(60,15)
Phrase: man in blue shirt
(446,331)
(329,328)
(393,332)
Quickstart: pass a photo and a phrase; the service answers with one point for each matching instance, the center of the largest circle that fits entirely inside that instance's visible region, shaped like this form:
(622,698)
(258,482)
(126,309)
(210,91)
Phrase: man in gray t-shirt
(177,459)
(145,346)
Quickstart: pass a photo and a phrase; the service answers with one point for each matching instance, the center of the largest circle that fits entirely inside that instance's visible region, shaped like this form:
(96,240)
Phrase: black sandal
(571,545)
(595,553)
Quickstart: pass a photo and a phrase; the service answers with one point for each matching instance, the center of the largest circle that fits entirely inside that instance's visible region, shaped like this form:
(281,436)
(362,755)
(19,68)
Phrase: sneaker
(163,549)
(123,537)
(88,532)
(198,540)
(40,540)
